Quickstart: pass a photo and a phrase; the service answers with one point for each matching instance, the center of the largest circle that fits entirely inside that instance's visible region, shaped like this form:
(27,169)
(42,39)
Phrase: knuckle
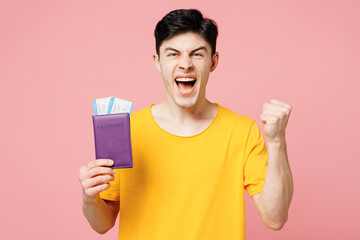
(100,171)
(91,173)
(82,176)
(89,164)
(94,181)
(82,169)
(88,192)
(98,162)
(94,163)
(110,178)
(105,186)
(101,187)
(101,179)
(96,171)
(83,185)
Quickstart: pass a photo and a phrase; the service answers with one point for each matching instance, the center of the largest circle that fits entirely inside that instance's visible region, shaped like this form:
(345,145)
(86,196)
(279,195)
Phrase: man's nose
(185,63)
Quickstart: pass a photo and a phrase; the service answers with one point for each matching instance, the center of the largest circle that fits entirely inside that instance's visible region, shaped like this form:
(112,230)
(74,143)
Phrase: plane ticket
(109,105)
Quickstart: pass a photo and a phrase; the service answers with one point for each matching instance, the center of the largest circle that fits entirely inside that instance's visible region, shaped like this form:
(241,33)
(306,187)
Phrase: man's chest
(189,128)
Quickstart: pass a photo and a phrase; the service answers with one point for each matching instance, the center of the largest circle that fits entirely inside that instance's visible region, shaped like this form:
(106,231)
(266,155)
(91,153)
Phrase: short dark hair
(186,20)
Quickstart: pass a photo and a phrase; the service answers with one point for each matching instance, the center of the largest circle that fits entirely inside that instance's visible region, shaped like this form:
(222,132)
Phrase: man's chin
(185,103)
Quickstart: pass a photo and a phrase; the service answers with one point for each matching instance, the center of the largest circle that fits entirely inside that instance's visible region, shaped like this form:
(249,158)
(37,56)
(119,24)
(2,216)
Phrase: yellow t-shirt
(189,188)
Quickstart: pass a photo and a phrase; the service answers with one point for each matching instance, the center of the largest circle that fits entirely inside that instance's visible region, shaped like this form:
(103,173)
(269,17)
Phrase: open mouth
(185,85)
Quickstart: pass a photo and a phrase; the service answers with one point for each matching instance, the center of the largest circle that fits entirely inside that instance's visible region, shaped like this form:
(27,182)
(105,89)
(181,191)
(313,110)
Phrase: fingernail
(114,172)
(111,162)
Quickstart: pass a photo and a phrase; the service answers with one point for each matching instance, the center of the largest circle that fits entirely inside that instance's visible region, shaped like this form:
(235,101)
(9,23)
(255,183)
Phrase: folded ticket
(118,105)
(101,105)
(111,105)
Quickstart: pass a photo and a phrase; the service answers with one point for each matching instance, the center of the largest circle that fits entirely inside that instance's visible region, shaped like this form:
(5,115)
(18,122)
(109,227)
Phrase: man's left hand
(275,116)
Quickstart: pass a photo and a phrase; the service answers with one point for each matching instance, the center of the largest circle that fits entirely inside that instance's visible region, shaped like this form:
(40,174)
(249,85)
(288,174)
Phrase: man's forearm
(278,187)
(100,215)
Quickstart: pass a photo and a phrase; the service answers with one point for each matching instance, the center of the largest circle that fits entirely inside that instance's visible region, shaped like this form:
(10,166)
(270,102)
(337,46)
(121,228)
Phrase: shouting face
(185,63)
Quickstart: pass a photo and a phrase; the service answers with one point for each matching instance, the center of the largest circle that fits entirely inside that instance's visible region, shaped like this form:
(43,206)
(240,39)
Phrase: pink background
(57,56)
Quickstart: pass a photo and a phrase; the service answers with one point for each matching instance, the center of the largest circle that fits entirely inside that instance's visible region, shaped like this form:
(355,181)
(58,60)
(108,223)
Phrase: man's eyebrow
(171,49)
(175,50)
(199,48)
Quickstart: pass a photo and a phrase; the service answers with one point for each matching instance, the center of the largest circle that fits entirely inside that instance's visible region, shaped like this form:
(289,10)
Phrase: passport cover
(112,138)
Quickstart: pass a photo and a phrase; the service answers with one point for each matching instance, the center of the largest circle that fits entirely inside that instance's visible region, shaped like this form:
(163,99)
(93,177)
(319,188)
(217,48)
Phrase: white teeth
(185,79)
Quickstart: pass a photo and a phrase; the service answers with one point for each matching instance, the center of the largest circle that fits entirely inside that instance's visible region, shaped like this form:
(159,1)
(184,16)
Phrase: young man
(192,158)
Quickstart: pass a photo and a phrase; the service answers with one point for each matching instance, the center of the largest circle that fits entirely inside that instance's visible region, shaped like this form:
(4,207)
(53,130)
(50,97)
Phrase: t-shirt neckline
(184,137)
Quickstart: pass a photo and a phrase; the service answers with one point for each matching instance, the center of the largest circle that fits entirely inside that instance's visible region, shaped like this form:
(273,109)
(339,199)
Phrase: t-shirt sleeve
(256,161)
(113,192)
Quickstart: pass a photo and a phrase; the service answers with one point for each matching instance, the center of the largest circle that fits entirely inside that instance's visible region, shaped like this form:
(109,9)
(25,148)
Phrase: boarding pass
(109,105)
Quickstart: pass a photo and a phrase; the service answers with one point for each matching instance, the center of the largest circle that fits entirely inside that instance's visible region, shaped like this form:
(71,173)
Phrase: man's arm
(274,201)
(101,214)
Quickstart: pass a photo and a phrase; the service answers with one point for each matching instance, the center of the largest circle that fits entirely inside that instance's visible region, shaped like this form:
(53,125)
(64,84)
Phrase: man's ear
(214,61)
(157,62)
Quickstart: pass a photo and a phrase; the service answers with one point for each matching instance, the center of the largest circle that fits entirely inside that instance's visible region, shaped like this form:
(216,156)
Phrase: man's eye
(198,54)
(172,54)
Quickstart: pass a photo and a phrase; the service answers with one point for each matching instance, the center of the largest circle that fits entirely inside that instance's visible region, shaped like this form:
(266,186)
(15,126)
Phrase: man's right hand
(94,176)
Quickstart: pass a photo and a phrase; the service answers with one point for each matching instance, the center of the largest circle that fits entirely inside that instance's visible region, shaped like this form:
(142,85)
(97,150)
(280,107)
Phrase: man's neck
(170,110)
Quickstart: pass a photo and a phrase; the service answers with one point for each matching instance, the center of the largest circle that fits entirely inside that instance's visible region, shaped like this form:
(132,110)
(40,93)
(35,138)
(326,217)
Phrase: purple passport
(112,138)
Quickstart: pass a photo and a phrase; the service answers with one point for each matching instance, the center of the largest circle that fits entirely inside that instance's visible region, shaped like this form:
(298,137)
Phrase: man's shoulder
(238,124)
(140,115)
(230,115)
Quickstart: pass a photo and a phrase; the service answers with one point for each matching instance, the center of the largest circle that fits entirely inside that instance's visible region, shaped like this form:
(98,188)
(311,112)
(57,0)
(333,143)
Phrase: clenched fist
(275,116)
(94,175)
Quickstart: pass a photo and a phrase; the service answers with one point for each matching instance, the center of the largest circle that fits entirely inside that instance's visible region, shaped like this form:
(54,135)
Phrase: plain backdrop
(57,56)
